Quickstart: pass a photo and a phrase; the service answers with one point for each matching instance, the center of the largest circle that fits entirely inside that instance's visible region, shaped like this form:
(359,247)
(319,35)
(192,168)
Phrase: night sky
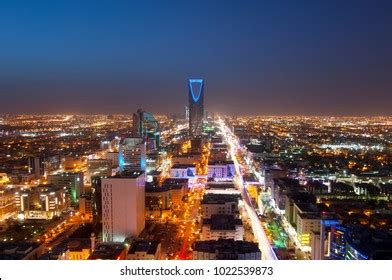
(257,57)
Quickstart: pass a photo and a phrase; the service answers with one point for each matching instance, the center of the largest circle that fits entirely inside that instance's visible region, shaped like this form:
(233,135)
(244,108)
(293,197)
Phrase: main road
(264,244)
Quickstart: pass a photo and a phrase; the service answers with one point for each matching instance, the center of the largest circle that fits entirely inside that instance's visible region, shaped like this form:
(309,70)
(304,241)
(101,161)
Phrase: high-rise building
(146,126)
(72,181)
(132,154)
(196,107)
(36,166)
(123,206)
(187,113)
(43,164)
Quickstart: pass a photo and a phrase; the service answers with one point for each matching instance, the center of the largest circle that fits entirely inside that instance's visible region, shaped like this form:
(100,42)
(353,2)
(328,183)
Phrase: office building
(147,127)
(42,165)
(36,166)
(358,242)
(72,181)
(132,154)
(196,107)
(123,206)
(41,202)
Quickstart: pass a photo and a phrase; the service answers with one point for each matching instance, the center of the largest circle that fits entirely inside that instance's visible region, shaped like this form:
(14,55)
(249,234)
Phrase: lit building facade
(183,171)
(41,202)
(216,204)
(196,107)
(7,203)
(132,154)
(220,169)
(222,226)
(123,206)
(72,181)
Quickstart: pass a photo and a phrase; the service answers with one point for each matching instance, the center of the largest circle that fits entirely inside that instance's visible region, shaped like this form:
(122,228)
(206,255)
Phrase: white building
(220,169)
(183,171)
(132,154)
(222,226)
(217,204)
(123,206)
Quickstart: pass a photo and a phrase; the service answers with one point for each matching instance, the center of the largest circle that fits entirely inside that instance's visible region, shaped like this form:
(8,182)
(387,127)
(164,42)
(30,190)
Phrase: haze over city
(286,58)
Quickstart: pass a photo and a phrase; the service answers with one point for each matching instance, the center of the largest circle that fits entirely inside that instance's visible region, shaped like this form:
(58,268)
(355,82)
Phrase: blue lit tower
(196,107)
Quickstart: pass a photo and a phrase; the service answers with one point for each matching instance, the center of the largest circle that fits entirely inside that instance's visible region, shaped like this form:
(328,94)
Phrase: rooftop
(130,175)
(222,222)
(107,251)
(226,249)
(150,247)
(212,198)
(180,166)
(16,250)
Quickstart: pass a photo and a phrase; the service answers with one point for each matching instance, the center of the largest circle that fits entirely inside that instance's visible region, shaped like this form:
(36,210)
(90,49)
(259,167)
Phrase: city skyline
(299,58)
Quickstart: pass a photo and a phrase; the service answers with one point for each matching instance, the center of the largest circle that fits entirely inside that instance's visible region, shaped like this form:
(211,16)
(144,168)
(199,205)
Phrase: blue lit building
(338,243)
(132,154)
(358,242)
(196,107)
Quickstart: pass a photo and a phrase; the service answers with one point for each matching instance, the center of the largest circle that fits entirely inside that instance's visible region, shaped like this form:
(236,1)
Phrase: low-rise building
(109,251)
(41,202)
(216,204)
(7,203)
(144,250)
(222,226)
(183,171)
(78,249)
(21,250)
(226,249)
(220,169)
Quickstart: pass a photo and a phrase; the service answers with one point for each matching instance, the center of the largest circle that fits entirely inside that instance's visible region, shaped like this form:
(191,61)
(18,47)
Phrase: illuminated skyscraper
(196,107)
(146,126)
(132,154)
(123,206)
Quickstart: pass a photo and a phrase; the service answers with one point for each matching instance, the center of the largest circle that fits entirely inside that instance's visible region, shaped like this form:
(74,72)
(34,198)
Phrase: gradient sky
(257,57)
